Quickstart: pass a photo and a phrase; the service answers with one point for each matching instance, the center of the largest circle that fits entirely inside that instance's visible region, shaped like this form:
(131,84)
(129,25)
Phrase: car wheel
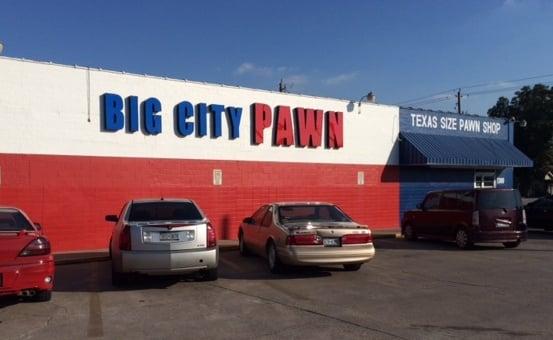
(511,244)
(42,296)
(409,233)
(211,274)
(242,245)
(462,239)
(275,266)
(352,267)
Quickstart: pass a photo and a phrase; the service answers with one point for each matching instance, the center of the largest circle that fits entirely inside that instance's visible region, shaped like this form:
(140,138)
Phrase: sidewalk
(72,257)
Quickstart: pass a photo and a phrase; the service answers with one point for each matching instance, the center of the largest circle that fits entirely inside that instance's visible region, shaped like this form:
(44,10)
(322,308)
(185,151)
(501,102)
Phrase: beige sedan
(305,233)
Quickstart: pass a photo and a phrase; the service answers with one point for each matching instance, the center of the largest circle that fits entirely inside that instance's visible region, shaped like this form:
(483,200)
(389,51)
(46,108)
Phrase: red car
(26,261)
(469,216)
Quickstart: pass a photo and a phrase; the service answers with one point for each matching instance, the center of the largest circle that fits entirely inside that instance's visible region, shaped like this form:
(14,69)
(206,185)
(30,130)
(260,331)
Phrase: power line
(508,81)
(469,94)
(433,101)
(504,89)
(475,86)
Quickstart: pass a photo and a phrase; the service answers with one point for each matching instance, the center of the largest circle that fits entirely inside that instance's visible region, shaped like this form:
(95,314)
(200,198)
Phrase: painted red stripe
(70,195)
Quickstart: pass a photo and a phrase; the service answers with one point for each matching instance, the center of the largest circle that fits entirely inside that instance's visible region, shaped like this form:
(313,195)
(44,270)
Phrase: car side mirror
(249,220)
(112,218)
(38,226)
(419,206)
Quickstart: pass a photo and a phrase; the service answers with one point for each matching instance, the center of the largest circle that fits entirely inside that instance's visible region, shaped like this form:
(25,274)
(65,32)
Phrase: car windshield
(14,221)
(313,213)
(164,211)
(508,199)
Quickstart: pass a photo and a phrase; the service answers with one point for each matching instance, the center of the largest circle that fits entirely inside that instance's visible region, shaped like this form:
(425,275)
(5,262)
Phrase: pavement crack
(310,311)
(476,329)
(429,277)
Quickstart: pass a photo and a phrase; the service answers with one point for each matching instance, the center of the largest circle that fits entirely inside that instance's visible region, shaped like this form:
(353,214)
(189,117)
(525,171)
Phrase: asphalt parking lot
(421,290)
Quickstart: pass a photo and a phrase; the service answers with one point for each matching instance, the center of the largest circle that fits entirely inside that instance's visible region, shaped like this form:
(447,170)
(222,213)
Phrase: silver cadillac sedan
(162,237)
(305,233)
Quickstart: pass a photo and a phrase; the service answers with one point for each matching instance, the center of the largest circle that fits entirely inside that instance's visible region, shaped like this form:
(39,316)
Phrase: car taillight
(476,218)
(357,238)
(211,236)
(38,246)
(304,240)
(125,238)
(523,216)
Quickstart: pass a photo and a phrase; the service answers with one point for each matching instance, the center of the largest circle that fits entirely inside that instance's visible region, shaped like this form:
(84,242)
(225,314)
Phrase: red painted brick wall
(70,195)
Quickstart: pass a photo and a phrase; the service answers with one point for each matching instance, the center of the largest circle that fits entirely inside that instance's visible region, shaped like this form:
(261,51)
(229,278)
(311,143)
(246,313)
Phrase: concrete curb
(98,255)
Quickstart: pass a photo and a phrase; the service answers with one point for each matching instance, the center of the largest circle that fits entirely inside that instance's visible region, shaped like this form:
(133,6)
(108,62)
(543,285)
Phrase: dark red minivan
(468,217)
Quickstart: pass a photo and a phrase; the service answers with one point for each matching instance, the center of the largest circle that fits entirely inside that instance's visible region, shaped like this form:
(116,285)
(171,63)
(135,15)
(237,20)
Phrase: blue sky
(400,50)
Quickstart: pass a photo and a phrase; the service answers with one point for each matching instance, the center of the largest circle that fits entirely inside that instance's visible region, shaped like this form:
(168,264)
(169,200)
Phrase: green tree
(535,106)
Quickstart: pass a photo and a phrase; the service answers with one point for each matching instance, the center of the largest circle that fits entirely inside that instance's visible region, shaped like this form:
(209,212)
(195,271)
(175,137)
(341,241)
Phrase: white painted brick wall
(44,110)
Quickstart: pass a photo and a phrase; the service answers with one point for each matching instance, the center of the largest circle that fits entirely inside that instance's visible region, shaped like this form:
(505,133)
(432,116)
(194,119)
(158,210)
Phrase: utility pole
(458,101)
(281,86)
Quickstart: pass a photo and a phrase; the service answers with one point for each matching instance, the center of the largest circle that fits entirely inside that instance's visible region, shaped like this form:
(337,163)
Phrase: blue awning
(455,151)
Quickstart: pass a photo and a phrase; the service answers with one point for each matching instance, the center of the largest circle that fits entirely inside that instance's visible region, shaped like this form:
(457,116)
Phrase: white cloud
(251,68)
(340,79)
(296,79)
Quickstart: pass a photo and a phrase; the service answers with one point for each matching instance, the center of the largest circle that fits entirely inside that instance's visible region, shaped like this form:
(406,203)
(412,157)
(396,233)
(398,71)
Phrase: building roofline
(184,80)
(445,112)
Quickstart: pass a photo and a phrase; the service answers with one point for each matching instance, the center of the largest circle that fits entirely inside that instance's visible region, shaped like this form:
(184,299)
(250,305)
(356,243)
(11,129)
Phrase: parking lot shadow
(438,245)
(9,300)
(96,276)
(429,244)
(540,234)
(236,267)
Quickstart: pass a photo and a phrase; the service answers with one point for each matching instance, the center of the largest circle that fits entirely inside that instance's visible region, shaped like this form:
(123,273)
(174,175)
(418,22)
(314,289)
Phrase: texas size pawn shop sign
(300,126)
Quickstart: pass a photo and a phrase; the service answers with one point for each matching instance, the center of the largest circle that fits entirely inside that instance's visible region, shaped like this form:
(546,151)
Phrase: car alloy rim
(408,231)
(461,238)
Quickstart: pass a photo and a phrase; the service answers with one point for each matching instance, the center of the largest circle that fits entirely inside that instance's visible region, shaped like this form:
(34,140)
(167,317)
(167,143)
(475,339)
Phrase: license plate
(168,236)
(331,242)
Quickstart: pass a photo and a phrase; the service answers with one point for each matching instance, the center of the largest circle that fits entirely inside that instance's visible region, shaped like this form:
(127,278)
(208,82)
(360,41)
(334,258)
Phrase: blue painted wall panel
(417,181)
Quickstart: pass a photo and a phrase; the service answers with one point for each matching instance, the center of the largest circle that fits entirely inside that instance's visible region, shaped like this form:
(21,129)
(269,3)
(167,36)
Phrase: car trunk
(499,210)
(168,235)
(12,243)
(332,233)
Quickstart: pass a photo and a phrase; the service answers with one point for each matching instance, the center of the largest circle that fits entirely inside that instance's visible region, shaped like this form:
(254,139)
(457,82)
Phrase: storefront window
(484,180)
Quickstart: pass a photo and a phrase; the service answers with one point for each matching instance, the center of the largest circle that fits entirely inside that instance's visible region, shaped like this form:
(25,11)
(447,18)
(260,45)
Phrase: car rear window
(508,199)
(314,213)
(14,221)
(164,211)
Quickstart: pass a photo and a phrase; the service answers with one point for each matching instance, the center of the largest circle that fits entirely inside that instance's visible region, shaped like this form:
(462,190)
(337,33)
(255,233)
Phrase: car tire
(511,244)
(352,267)
(42,296)
(409,233)
(211,274)
(273,261)
(462,239)
(242,247)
